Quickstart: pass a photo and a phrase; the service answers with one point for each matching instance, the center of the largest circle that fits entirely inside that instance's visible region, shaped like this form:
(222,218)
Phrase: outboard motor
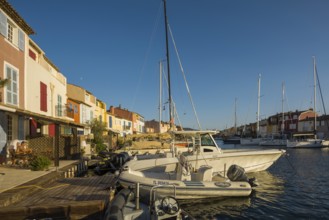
(237,173)
(120,159)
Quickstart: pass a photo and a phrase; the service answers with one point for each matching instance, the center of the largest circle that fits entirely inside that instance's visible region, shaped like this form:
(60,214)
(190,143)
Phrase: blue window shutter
(21,40)
(3,24)
(110,121)
(21,128)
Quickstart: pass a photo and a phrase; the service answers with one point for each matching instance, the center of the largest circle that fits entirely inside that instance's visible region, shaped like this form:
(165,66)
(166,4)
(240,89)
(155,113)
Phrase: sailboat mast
(160,95)
(171,121)
(235,130)
(282,124)
(258,105)
(314,76)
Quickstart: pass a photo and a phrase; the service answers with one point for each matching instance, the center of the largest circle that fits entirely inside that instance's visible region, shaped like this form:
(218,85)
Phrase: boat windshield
(206,140)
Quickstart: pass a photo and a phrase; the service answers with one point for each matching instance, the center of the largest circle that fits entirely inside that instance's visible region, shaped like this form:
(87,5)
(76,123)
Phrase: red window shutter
(43,97)
(51,130)
(32,55)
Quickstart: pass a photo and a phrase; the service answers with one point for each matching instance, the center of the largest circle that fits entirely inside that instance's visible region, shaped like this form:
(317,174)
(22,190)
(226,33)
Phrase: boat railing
(153,191)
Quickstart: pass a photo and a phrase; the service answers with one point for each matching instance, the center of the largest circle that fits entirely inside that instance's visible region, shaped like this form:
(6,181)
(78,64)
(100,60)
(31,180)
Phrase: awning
(114,131)
(4,108)
(48,119)
(305,134)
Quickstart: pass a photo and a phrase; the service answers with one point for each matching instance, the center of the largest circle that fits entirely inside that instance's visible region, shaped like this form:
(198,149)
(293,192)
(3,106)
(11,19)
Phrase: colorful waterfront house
(149,130)
(45,94)
(14,32)
(126,127)
(114,123)
(87,105)
(262,128)
(126,119)
(250,130)
(323,126)
(138,123)
(73,109)
(306,121)
(273,125)
(100,111)
(32,101)
(154,126)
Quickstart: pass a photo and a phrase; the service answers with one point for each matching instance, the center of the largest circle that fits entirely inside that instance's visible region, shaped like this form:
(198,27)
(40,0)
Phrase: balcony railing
(64,111)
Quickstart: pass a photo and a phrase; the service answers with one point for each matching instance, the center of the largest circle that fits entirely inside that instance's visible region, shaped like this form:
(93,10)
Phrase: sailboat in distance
(277,139)
(254,140)
(313,141)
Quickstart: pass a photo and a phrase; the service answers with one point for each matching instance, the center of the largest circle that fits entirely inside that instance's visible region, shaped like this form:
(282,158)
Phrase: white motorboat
(274,140)
(307,142)
(176,175)
(250,141)
(200,149)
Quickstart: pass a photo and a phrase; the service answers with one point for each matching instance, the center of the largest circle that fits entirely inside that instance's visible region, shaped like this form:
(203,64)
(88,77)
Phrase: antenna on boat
(171,119)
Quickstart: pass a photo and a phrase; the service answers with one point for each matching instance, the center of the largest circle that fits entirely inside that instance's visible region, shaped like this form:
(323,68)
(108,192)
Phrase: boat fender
(237,173)
(118,203)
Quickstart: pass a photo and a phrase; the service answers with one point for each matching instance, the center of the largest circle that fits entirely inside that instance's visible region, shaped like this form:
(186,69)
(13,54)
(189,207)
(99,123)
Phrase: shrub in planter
(40,163)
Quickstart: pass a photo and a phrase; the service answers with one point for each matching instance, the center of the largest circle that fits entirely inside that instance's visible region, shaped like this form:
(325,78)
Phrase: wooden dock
(66,198)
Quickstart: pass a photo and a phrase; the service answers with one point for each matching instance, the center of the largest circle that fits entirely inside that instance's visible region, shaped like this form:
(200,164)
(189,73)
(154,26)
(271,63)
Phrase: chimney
(111,110)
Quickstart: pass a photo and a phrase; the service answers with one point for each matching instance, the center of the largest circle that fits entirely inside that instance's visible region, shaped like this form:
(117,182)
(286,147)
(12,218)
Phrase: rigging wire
(324,108)
(182,70)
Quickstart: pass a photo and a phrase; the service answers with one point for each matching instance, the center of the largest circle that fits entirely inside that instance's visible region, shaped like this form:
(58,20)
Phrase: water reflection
(269,189)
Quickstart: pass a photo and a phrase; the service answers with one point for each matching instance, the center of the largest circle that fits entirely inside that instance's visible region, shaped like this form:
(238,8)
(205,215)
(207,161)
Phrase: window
(3,24)
(75,109)
(206,140)
(12,86)
(43,97)
(91,115)
(59,104)
(32,55)
(10,33)
(87,97)
(110,121)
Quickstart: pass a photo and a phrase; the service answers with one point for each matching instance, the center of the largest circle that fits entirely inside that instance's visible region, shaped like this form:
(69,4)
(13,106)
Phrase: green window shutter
(21,40)
(3,24)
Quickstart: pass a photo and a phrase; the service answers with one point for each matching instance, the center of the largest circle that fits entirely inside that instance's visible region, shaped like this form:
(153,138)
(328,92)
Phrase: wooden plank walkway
(70,198)
(70,190)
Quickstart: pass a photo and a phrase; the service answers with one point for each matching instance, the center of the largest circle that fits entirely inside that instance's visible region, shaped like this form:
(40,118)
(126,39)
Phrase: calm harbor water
(295,187)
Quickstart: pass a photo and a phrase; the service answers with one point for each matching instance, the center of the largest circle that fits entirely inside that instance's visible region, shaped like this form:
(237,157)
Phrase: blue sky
(113,48)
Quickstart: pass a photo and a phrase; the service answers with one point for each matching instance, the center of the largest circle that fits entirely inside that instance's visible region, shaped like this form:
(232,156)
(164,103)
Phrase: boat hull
(273,142)
(250,141)
(309,143)
(186,190)
(251,160)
